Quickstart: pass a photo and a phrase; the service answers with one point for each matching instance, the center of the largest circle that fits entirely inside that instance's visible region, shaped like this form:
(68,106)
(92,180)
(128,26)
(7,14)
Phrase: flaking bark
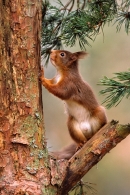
(23,153)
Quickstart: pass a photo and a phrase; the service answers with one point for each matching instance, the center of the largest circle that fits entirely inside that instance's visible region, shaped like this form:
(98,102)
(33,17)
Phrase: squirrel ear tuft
(78,55)
(81,54)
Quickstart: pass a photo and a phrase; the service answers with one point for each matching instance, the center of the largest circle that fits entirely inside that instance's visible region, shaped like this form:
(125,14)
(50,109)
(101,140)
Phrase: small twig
(69,2)
(77,4)
(71,6)
(83,5)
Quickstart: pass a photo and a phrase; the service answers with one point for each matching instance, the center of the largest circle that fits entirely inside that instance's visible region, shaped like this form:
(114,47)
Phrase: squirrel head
(62,59)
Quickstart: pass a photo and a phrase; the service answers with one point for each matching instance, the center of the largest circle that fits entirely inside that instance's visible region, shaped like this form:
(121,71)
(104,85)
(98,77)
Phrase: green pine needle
(116,88)
(65,24)
(84,188)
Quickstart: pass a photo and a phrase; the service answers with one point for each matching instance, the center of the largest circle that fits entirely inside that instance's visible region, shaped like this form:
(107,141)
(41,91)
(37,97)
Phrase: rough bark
(23,154)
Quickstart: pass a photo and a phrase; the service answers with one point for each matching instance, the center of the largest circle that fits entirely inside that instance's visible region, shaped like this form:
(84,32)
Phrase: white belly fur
(82,116)
(77,111)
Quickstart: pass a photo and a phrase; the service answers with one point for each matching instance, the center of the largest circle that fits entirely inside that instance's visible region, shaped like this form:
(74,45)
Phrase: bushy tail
(65,153)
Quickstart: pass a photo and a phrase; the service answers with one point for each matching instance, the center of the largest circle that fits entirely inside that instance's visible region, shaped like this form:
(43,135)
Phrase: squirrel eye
(62,54)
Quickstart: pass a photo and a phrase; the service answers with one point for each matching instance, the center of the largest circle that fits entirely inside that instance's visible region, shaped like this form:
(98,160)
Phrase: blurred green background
(107,55)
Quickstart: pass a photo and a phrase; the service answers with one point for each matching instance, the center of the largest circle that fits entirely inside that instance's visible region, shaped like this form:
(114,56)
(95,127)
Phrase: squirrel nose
(52,53)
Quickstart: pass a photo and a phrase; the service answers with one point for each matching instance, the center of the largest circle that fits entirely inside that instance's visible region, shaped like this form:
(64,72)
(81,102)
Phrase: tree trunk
(23,154)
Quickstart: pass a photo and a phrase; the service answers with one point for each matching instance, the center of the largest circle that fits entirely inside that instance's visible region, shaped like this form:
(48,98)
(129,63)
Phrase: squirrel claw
(41,74)
(42,71)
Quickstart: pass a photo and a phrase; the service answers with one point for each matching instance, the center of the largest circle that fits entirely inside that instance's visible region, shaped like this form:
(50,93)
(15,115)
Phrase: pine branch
(123,18)
(117,88)
(64,25)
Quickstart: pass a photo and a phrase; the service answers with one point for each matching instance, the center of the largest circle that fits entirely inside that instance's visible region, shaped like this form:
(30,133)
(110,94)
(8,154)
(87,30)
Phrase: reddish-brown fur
(85,115)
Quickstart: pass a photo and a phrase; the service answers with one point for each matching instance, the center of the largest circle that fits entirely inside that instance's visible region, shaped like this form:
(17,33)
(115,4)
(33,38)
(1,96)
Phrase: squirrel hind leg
(76,132)
(98,120)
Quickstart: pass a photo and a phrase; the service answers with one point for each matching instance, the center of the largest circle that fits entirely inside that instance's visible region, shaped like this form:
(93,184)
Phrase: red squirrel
(85,115)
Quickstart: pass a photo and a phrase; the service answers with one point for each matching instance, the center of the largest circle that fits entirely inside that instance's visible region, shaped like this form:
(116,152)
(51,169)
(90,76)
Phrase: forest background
(108,54)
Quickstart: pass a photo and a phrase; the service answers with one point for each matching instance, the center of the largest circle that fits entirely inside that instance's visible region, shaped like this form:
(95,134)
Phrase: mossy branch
(91,153)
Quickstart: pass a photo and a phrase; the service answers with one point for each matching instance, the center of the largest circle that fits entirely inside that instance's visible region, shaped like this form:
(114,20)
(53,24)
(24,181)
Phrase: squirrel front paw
(41,75)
